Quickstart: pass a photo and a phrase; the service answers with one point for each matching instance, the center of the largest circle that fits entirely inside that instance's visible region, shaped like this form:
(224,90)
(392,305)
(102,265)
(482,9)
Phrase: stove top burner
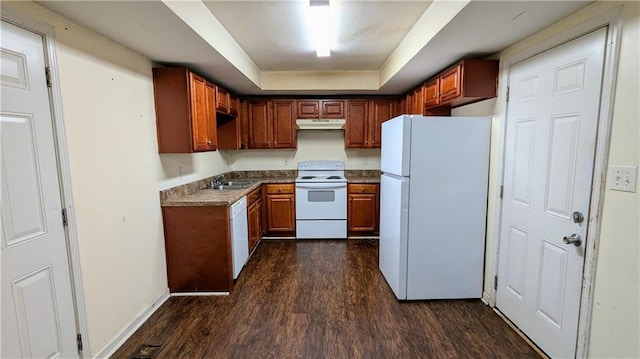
(308,177)
(334,177)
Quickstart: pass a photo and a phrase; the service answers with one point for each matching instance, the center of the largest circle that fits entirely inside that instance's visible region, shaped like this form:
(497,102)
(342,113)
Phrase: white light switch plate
(623,178)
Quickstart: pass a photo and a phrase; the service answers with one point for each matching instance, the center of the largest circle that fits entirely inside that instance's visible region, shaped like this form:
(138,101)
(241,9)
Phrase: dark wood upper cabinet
(222,100)
(284,124)
(357,122)
(466,82)
(259,121)
(320,108)
(271,124)
(381,111)
(432,93)
(332,109)
(234,105)
(308,108)
(185,111)
(364,122)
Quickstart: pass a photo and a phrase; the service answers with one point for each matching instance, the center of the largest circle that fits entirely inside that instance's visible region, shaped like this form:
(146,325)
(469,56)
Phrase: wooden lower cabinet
(198,248)
(254,218)
(363,208)
(281,209)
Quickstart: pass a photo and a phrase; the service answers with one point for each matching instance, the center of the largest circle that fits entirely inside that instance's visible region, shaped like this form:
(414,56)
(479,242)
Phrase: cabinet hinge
(79,341)
(64,217)
(47,72)
(508,94)
(495,282)
(501,191)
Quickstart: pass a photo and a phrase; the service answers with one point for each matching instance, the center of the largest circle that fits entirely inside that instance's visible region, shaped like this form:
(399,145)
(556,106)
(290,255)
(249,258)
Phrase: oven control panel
(321,165)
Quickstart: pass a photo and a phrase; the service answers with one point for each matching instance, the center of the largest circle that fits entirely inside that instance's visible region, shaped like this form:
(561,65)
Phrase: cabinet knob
(209,142)
(362,190)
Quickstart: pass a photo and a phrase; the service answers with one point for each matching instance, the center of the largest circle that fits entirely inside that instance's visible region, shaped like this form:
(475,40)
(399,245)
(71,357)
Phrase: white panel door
(550,145)
(38,318)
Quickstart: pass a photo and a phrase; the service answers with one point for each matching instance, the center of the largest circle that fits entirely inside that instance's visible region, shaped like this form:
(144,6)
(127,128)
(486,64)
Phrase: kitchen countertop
(363,179)
(192,194)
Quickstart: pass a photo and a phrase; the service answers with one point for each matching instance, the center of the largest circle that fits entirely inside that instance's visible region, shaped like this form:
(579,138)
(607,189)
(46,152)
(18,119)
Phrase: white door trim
(613,19)
(64,173)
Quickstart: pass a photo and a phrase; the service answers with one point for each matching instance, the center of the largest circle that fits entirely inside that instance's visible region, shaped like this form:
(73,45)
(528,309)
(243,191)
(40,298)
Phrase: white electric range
(321,200)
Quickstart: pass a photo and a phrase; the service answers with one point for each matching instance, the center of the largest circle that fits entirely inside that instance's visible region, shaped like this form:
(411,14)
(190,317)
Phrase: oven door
(321,201)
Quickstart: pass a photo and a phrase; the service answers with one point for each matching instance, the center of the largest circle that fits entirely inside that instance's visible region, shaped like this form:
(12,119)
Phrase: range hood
(320,124)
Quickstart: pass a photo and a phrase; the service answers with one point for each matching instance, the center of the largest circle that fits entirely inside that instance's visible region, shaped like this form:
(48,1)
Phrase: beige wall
(116,172)
(312,145)
(616,313)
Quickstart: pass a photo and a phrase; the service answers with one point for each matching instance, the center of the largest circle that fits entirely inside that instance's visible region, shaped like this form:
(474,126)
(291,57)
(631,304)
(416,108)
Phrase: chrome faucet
(217,181)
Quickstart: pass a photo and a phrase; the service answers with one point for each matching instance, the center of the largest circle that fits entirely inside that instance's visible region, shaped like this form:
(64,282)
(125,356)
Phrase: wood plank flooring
(323,299)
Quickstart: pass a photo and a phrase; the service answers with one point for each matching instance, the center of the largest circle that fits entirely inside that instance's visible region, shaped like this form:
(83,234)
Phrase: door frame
(64,174)
(611,18)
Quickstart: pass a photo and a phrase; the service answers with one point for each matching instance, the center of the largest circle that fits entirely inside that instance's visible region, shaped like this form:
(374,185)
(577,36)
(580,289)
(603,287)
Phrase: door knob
(574,239)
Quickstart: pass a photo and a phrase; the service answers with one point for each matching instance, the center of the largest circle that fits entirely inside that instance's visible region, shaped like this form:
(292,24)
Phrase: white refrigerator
(433,205)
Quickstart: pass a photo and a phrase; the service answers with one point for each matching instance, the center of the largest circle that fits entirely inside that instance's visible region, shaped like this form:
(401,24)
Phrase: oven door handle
(321,185)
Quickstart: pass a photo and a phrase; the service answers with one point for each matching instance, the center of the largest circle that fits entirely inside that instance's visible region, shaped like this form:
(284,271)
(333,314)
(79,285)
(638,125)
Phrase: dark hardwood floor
(323,299)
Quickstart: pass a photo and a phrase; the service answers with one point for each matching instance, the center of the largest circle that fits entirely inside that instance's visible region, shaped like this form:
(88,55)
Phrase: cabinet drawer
(362,188)
(255,195)
(280,188)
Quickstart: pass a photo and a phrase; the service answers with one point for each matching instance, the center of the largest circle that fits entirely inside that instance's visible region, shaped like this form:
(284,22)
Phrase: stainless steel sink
(230,185)
(238,183)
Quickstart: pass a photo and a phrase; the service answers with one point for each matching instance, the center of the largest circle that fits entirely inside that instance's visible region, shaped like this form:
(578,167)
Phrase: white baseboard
(132,326)
(486,298)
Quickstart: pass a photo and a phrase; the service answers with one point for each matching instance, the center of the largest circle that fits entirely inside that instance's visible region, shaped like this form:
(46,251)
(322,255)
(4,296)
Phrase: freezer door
(394,219)
(396,144)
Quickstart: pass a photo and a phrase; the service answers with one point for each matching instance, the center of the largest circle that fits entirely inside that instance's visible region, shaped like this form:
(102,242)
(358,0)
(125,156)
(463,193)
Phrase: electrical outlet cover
(623,178)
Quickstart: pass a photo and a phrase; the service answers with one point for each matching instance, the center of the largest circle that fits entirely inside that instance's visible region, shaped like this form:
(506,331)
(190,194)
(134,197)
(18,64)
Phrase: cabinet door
(418,105)
(409,103)
(361,213)
(222,99)
(234,105)
(253,219)
(450,84)
(212,125)
(332,109)
(381,111)
(431,93)
(363,208)
(357,119)
(200,113)
(280,213)
(259,119)
(284,124)
(308,108)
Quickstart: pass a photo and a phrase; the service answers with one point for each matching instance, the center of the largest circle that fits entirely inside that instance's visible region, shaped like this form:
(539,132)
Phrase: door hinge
(508,94)
(64,217)
(47,72)
(501,191)
(79,341)
(495,282)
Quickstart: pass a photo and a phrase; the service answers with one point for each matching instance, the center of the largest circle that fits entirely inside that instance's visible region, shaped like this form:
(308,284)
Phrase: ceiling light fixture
(321,26)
